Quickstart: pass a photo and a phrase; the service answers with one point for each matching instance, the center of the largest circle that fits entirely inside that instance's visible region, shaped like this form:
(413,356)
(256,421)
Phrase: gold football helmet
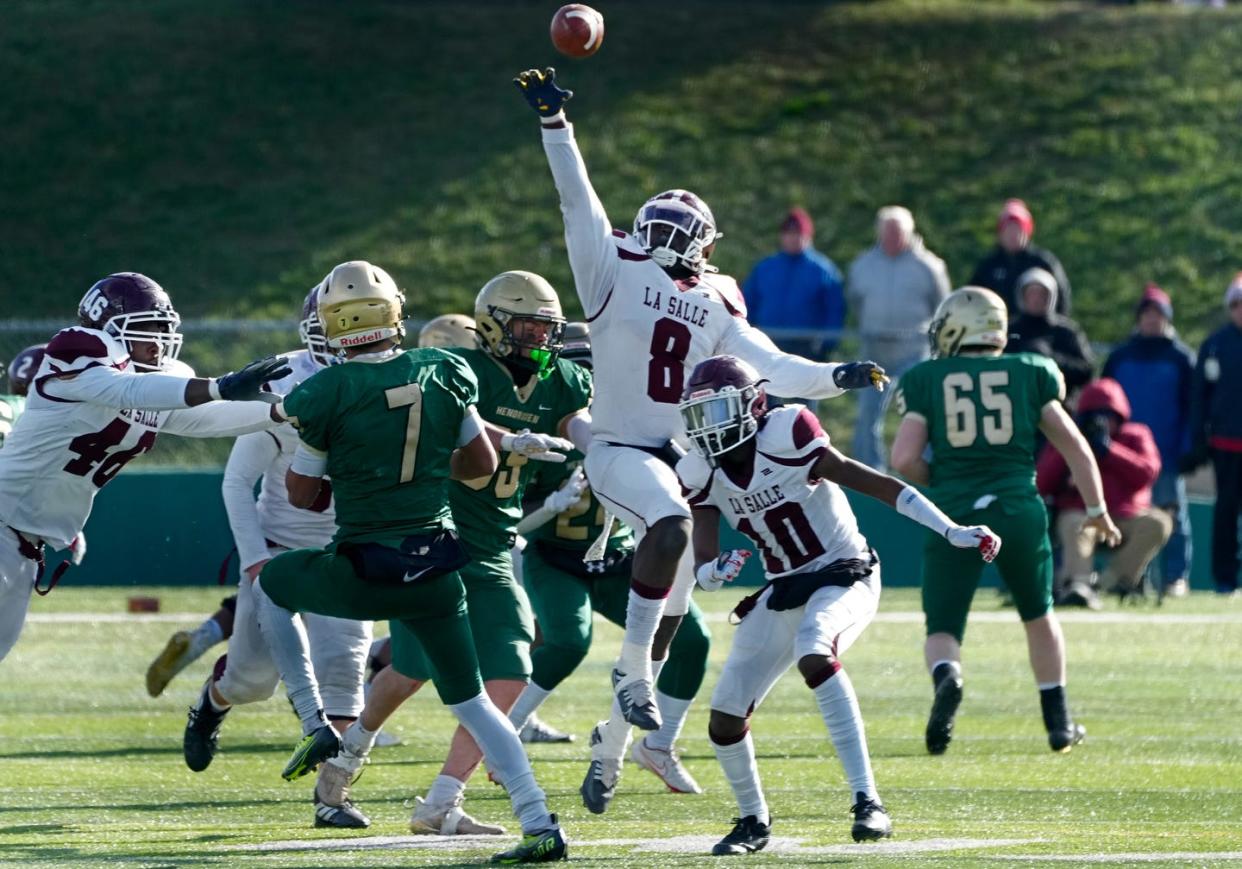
(359,304)
(447,330)
(518,318)
(969,317)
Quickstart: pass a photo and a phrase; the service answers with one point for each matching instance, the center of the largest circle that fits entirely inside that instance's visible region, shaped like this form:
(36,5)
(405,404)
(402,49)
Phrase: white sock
(673,714)
(615,734)
(212,700)
(506,759)
(204,637)
(357,740)
(286,641)
(528,701)
(445,790)
(738,762)
(1044,686)
(642,618)
(839,707)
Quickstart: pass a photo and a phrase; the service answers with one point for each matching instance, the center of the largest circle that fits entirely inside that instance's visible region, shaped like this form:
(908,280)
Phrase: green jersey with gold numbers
(389,428)
(11,407)
(487,510)
(579,526)
(982,415)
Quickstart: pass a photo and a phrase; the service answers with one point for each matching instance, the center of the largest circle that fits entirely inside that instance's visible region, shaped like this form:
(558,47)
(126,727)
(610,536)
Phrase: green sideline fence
(168,527)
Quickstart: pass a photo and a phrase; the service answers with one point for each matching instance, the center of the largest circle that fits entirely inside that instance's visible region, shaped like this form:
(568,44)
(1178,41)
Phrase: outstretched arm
(793,375)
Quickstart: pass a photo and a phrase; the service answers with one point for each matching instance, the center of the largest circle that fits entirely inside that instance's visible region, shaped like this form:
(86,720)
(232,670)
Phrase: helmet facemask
(717,421)
(675,234)
(142,327)
(310,330)
(524,351)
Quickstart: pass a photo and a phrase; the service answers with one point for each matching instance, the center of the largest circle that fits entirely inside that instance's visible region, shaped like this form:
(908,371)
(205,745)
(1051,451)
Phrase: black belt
(34,551)
(670,453)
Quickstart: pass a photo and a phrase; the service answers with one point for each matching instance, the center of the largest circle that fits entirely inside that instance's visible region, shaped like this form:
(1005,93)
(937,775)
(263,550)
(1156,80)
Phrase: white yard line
(1198,858)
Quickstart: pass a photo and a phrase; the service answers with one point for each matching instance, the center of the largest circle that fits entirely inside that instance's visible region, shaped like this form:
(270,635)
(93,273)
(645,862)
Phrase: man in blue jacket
(1216,434)
(1156,370)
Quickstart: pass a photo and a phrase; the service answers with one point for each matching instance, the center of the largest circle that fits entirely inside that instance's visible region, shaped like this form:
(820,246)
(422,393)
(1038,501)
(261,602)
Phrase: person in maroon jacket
(1129,464)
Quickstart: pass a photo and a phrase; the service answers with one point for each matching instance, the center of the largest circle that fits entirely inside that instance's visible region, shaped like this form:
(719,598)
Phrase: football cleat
(172,660)
(944,709)
(545,846)
(634,695)
(746,837)
(202,732)
(448,820)
(333,808)
(384,739)
(315,747)
(667,765)
(1063,741)
(537,730)
(600,784)
(871,819)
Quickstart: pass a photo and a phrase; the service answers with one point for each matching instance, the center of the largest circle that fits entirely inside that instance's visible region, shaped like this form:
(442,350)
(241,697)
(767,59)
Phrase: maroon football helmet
(310,330)
(675,228)
(133,308)
(722,405)
(23,367)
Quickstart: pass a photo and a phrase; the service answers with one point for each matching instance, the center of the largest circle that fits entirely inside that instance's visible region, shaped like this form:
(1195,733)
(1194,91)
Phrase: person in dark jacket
(1037,329)
(1216,434)
(1129,463)
(1156,370)
(1014,255)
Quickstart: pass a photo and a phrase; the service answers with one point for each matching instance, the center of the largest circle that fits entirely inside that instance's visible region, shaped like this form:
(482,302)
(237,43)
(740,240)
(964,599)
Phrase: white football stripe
(591,22)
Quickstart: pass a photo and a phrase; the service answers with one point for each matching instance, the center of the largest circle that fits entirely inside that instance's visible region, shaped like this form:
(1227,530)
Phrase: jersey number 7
(411,396)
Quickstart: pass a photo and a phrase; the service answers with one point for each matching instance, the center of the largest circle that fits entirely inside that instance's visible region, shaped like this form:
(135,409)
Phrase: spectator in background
(1129,464)
(1216,434)
(895,287)
(797,289)
(1014,255)
(1156,370)
(1037,329)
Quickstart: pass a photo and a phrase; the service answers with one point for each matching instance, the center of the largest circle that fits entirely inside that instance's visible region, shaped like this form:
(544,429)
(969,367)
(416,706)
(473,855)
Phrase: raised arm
(793,375)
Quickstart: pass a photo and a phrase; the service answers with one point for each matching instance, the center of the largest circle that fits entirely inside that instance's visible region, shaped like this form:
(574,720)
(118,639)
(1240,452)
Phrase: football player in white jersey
(656,309)
(101,395)
(775,478)
(262,529)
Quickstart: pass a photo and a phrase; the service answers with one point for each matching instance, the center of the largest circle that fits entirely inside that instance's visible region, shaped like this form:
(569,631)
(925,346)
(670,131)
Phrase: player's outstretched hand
(979,537)
(859,375)
(538,447)
(1106,529)
(568,494)
(712,575)
(542,92)
(247,384)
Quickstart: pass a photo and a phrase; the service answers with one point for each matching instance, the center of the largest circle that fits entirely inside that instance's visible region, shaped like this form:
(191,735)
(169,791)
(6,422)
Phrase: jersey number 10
(963,414)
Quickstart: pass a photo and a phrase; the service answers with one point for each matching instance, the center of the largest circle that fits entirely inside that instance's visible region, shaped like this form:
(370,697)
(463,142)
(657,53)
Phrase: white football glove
(979,537)
(568,494)
(712,575)
(539,447)
(77,548)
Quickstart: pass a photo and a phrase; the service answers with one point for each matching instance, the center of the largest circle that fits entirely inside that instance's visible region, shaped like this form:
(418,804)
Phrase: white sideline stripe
(113,618)
(1199,858)
(675,845)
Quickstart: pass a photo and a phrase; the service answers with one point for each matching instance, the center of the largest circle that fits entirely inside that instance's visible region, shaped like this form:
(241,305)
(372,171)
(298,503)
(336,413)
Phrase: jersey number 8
(962,413)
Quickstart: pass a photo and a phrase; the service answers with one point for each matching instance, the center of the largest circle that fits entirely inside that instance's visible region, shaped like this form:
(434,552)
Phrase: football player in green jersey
(981,412)
(565,591)
(523,385)
(391,428)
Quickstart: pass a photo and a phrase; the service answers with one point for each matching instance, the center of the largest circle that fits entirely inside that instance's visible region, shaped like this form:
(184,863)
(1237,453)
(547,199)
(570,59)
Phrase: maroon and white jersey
(799,523)
(648,331)
(88,414)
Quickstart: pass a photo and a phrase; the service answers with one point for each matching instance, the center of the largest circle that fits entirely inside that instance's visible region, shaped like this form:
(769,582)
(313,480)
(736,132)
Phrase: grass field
(91,770)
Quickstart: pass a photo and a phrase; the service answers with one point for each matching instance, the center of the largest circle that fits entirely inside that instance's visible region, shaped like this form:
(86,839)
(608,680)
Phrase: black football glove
(859,375)
(247,384)
(542,92)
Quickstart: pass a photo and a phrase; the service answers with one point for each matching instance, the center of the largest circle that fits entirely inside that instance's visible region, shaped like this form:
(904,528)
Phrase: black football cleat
(202,732)
(746,837)
(1063,741)
(313,749)
(943,711)
(545,846)
(871,821)
(637,700)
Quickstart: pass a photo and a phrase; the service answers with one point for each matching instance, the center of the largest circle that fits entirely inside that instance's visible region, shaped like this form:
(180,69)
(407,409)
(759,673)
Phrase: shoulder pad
(693,471)
(728,291)
(177,368)
(78,348)
(790,431)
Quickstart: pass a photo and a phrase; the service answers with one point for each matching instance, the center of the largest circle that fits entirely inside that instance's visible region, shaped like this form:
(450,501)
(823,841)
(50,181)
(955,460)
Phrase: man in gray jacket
(894,287)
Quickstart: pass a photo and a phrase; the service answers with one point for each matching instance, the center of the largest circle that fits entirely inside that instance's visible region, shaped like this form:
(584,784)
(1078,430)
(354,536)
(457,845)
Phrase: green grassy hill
(235,150)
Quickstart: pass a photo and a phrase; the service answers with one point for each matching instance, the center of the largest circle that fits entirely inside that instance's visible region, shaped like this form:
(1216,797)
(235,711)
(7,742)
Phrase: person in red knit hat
(1014,255)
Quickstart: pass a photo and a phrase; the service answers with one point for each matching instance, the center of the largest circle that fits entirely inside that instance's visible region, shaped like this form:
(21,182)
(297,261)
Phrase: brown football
(577,30)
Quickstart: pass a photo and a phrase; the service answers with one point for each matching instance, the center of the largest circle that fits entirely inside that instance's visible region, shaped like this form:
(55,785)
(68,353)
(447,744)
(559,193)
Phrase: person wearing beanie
(1216,434)
(1156,371)
(1039,329)
(1014,255)
(796,293)
(894,288)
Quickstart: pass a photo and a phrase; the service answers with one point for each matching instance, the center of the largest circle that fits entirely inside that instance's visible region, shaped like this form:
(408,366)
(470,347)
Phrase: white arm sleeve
(579,430)
(220,419)
(108,387)
(250,459)
(786,375)
(471,426)
(308,461)
(534,519)
(588,234)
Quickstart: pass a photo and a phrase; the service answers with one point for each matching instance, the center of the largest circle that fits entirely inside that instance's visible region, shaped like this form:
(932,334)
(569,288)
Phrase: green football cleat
(546,846)
(315,747)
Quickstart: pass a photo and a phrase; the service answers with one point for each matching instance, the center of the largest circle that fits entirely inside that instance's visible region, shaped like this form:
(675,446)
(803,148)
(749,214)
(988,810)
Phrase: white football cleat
(448,820)
(384,739)
(667,765)
(537,730)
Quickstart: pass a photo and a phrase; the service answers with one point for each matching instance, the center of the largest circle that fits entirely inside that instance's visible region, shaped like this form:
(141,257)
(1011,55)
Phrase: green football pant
(432,613)
(563,605)
(500,622)
(951,575)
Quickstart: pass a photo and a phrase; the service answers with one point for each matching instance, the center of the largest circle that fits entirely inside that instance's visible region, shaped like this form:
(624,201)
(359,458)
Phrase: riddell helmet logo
(355,340)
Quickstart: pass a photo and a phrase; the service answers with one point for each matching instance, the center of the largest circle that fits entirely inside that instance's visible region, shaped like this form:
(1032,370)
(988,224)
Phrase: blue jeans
(1169,493)
(872,406)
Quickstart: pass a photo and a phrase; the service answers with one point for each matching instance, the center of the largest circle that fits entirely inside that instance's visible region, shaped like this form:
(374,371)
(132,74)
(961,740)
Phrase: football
(577,30)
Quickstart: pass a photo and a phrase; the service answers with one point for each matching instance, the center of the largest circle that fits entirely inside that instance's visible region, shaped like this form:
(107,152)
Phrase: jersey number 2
(666,372)
(961,412)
